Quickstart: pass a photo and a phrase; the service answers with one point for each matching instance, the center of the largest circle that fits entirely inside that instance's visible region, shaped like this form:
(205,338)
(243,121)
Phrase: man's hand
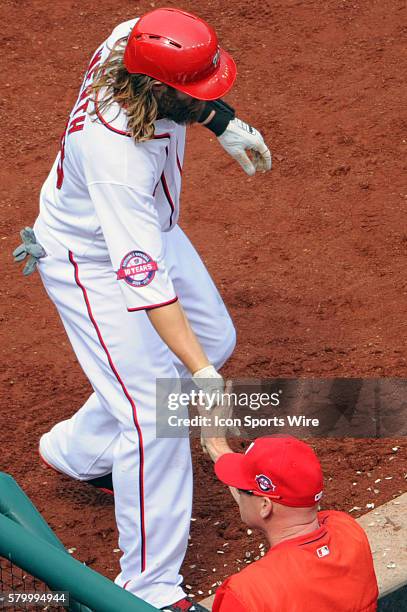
(239,137)
(215,447)
(213,436)
(209,380)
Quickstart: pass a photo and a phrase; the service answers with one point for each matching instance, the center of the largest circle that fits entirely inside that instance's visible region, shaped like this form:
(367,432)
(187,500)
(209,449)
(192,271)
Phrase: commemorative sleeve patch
(137,269)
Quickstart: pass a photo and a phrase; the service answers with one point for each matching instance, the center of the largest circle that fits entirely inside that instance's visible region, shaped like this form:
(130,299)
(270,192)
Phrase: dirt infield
(310,258)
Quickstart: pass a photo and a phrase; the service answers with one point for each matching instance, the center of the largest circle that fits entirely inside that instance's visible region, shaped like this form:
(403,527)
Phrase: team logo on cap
(137,269)
(264,482)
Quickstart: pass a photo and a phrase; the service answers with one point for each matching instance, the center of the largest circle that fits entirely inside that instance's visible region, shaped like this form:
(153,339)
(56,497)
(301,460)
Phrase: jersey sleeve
(132,231)
(227,601)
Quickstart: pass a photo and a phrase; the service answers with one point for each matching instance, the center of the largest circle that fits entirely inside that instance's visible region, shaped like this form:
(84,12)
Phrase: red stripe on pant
(132,404)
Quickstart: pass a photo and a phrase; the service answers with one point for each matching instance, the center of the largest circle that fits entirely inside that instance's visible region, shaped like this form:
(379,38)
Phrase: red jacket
(330,569)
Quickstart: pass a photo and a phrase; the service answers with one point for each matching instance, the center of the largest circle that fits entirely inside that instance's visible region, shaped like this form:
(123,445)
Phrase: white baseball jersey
(108,197)
(108,225)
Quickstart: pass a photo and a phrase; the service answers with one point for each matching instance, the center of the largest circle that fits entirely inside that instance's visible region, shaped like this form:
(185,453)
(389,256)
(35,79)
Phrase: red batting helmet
(182,51)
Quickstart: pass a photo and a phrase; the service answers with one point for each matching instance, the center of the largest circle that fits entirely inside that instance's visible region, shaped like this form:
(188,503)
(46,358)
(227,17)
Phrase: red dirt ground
(310,258)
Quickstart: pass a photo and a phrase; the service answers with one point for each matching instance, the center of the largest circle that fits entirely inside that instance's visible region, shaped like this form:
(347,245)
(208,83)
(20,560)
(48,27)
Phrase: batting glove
(237,138)
(30,247)
(209,380)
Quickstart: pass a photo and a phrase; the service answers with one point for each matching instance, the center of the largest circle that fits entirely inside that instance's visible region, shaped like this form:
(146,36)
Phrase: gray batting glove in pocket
(31,248)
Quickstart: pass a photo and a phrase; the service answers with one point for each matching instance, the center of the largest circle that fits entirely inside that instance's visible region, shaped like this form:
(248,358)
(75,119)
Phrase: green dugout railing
(29,543)
(15,505)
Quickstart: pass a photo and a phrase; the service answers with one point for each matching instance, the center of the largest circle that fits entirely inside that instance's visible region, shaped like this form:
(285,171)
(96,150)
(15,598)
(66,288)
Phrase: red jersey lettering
(76,124)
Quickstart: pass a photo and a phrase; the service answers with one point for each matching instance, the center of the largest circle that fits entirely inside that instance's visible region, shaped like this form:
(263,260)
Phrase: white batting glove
(209,380)
(237,138)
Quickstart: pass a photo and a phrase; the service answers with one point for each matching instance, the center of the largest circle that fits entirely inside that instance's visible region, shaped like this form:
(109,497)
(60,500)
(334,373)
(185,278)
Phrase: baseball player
(134,297)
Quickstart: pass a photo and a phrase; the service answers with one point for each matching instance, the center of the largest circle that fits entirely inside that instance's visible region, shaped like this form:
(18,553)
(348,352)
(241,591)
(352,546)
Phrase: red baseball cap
(280,467)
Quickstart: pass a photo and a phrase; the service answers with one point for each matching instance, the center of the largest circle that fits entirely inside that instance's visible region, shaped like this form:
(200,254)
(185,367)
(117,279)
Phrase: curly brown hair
(133,92)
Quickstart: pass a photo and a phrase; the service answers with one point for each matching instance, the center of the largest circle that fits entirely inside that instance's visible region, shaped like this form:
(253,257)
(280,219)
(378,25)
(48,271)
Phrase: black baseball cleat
(104,483)
(185,605)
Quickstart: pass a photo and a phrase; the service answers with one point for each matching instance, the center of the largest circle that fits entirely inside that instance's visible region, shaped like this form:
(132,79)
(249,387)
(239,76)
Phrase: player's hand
(213,436)
(212,384)
(240,137)
(209,380)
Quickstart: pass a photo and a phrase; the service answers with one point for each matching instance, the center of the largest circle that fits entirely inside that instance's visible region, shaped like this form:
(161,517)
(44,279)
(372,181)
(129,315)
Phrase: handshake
(216,409)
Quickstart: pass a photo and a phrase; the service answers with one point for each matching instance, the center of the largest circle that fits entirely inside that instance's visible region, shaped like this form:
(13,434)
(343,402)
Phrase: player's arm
(216,116)
(236,136)
(132,231)
(172,325)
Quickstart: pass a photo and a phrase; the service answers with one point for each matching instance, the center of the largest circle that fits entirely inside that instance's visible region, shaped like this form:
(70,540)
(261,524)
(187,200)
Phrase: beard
(184,112)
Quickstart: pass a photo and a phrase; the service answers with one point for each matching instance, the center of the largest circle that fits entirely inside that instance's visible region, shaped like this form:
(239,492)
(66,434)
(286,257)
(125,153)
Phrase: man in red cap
(317,561)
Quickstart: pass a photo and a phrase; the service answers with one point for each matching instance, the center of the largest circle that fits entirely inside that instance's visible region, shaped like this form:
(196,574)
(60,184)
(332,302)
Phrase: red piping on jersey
(179,165)
(167,193)
(121,132)
(132,404)
(158,136)
(168,196)
(153,306)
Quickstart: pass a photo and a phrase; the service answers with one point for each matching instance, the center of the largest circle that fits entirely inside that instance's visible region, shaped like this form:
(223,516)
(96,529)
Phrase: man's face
(249,506)
(177,106)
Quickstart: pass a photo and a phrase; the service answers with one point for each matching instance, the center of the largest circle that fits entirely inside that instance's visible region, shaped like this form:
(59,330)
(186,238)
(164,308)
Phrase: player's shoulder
(109,123)
(110,152)
(120,31)
(336,518)
(343,527)
(107,126)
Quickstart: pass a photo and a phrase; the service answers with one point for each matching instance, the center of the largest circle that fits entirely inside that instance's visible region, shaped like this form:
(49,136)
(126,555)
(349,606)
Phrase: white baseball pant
(114,431)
